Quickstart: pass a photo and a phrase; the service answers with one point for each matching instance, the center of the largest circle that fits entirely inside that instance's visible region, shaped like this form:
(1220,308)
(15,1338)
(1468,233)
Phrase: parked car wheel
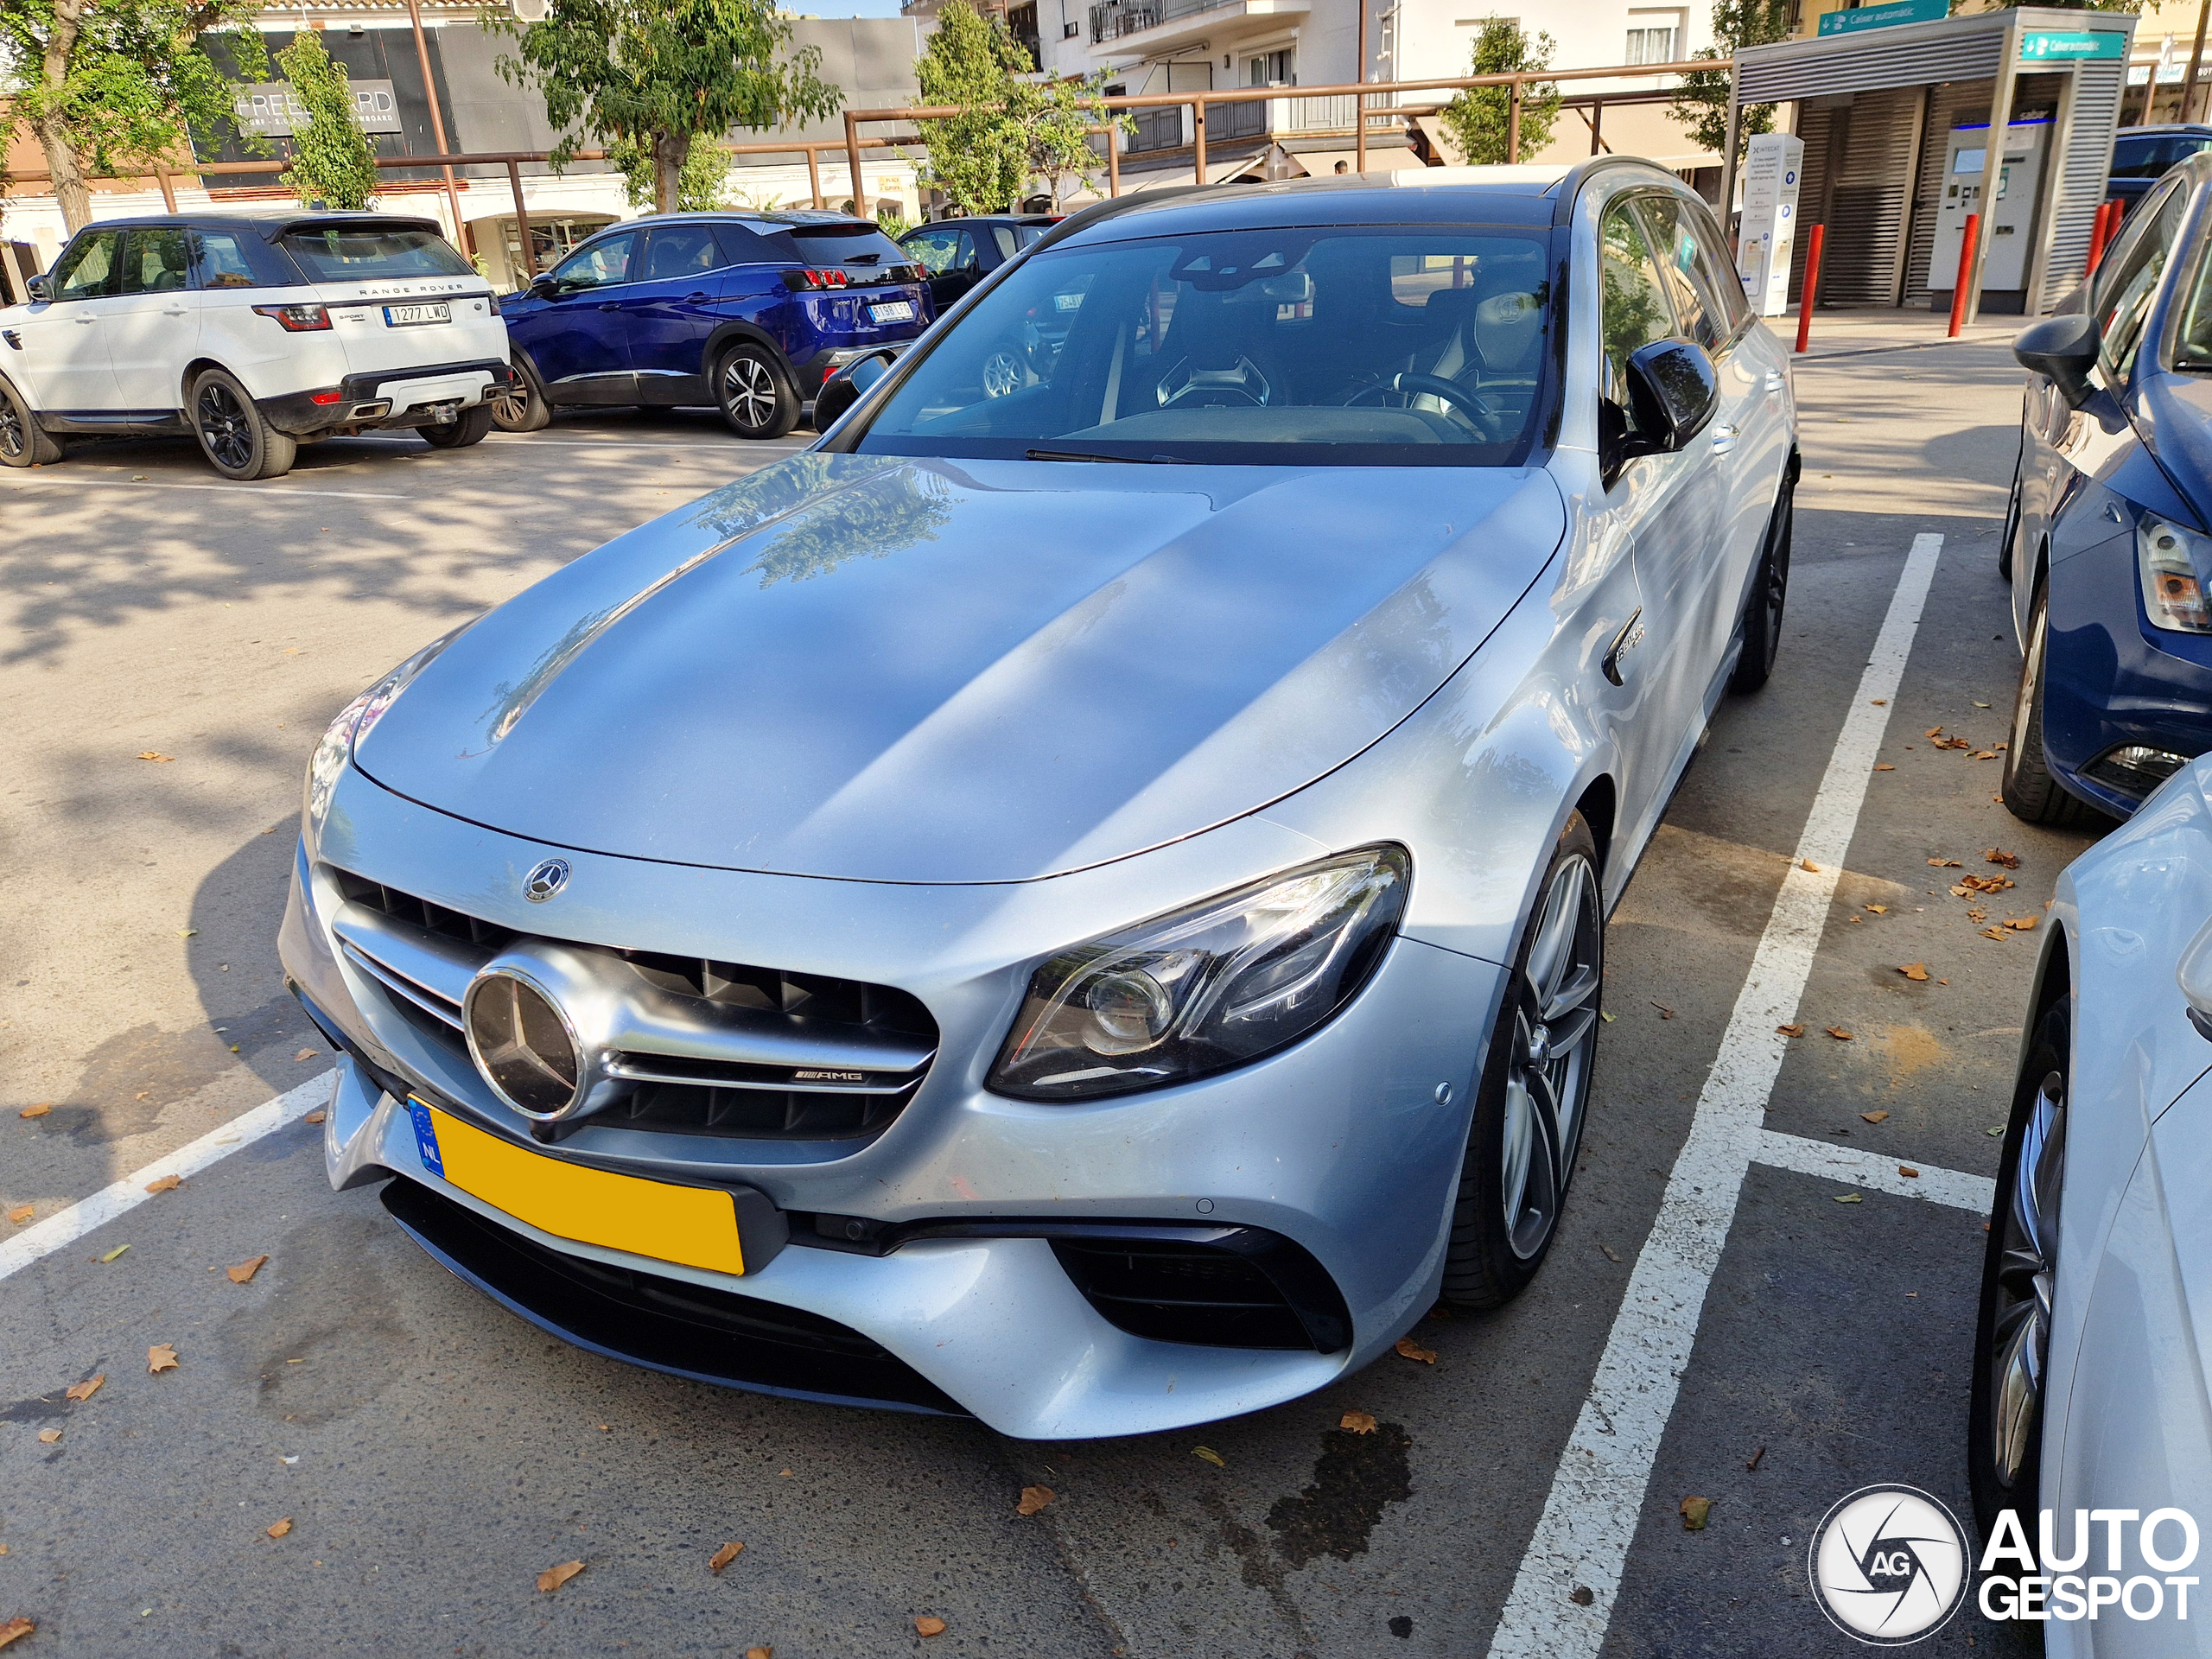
(2013,1334)
(1536,1080)
(233,435)
(2031,793)
(23,443)
(522,407)
(470,426)
(1769,590)
(753,394)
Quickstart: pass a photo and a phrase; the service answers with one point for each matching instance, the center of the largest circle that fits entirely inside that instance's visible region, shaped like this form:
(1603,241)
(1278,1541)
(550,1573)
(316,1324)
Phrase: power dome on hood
(883,668)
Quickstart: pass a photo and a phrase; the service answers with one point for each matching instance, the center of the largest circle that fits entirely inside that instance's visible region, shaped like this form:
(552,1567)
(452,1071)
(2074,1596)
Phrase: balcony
(1152,25)
(1169,126)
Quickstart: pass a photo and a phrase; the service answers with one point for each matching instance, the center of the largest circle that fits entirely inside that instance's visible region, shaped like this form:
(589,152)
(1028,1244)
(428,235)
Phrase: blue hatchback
(747,311)
(2108,540)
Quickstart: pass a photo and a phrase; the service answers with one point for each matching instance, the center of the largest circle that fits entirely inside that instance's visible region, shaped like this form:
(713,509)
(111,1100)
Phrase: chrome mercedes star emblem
(545,879)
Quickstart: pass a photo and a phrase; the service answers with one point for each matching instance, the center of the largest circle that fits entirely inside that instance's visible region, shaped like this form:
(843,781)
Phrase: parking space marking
(1809,1157)
(76,479)
(65,1227)
(1597,1497)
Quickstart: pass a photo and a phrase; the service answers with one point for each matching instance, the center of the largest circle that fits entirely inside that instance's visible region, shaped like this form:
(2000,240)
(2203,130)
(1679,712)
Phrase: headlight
(332,753)
(2174,564)
(1204,989)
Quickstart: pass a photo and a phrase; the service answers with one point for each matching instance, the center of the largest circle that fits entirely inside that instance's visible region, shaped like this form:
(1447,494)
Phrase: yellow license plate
(696,1226)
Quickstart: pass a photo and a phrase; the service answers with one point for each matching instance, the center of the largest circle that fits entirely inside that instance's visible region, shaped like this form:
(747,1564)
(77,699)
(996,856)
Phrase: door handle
(1723,439)
(1774,381)
(174,311)
(611,305)
(696,299)
(86,323)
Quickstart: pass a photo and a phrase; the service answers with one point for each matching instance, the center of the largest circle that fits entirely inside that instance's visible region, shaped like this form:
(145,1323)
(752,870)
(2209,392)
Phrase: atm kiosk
(2008,224)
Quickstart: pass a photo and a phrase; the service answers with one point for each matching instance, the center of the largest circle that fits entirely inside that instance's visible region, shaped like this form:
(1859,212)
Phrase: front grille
(423,956)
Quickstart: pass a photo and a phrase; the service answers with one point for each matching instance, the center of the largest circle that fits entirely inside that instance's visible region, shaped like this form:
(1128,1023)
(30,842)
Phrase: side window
(1676,249)
(674,252)
(738,245)
(2123,307)
(598,265)
(155,260)
(89,266)
(964,256)
(219,261)
(1002,235)
(1632,309)
(932,251)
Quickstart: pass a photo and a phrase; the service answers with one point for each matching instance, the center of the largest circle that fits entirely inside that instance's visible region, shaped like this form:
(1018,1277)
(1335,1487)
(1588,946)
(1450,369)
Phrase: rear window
(352,254)
(863,244)
(2148,157)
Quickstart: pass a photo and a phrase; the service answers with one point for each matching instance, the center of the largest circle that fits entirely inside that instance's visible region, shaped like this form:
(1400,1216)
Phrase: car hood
(883,668)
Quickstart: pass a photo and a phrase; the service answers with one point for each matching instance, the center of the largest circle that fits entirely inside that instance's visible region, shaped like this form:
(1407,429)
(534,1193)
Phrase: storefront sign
(272,112)
(2071,46)
(1898,11)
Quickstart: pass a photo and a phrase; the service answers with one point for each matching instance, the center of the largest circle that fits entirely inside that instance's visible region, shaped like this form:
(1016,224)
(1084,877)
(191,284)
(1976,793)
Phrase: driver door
(580,341)
(63,342)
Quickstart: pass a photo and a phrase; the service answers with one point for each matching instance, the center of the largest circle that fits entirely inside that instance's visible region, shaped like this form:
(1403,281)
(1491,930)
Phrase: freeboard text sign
(271,111)
(1898,11)
(2071,46)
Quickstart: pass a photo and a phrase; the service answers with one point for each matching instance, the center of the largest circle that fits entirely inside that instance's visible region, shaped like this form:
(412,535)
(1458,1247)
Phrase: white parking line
(65,1227)
(1598,1493)
(243,491)
(1808,1157)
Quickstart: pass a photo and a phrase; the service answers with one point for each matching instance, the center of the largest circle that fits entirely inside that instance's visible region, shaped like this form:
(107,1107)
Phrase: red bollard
(1966,270)
(2100,234)
(1809,289)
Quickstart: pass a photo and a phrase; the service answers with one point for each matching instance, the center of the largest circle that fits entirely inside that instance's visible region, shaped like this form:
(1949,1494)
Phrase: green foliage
(700,185)
(332,162)
(1011,127)
(1058,118)
(1701,102)
(1477,118)
(659,74)
(894,222)
(111,86)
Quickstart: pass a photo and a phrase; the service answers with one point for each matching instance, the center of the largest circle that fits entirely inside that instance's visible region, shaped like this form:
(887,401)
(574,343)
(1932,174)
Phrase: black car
(2141,155)
(958,253)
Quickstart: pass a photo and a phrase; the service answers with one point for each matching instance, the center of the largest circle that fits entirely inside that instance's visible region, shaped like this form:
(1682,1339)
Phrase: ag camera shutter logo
(1888,1565)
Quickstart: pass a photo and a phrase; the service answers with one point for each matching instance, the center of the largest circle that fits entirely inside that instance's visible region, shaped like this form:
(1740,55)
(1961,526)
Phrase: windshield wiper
(1087,454)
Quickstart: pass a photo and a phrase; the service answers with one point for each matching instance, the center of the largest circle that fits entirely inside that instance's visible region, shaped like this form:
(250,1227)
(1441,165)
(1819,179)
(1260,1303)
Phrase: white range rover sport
(254,333)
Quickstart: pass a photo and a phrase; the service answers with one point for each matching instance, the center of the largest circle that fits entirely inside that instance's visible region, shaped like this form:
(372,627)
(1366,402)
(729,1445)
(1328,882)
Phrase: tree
(662,76)
(332,162)
(1701,102)
(699,187)
(112,85)
(1057,119)
(979,158)
(1477,118)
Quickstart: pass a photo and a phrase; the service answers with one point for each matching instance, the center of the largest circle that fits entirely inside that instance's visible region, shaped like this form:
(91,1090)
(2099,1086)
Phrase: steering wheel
(1469,404)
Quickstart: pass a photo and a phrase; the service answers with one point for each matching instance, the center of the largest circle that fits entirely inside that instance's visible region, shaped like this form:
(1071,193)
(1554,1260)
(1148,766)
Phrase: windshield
(1391,346)
(352,254)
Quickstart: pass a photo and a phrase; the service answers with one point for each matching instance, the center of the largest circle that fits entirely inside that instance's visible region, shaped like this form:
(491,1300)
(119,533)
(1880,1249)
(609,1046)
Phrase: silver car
(1079,899)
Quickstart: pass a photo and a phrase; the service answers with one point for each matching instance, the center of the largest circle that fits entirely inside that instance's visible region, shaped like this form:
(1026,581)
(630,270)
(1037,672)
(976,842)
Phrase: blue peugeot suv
(747,311)
(2108,539)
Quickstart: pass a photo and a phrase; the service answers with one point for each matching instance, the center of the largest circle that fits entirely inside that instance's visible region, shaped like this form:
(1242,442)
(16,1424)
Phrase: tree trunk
(670,151)
(53,137)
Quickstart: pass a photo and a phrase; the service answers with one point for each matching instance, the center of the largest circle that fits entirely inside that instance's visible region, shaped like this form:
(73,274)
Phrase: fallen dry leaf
(21,1213)
(1984,754)
(1790,1031)
(242,1274)
(1917,971)
(14,1630)
(161,1357)
(929,1624)
(39,1110)
(1977,914)
(1849,1198)
(1874,1117)
(304,1054)
(278,1529)
(1838,1033)
(1694,1510)
(1944,864)
(165,1184)
(48,1436)
(111,1255)
(1359,1422)
(155,756)
(1665,1013)
(1908,1171)
(1034,1499)
(1582,1595)
(1609,1254)
(1883,765)
(2023,923)
(759,1653)
(87,1388)
(1879,910)
(1994,933)
(723,1557)
(1412,1350)
(1879,703)
(312,1117)
(1207,1454)
(1999,855)
(1807,864)
(554,1576)
(1753,1464)
(1933,731)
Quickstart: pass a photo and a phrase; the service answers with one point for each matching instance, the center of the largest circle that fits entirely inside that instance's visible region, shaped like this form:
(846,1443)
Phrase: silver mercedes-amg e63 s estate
(1079,899)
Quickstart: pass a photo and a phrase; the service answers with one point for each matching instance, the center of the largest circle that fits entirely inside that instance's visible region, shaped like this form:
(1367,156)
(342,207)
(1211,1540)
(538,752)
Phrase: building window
(1652,43)
(1271,69)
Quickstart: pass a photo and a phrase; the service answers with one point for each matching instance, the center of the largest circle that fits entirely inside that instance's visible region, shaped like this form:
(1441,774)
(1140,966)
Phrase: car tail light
(297,319)
(804,281)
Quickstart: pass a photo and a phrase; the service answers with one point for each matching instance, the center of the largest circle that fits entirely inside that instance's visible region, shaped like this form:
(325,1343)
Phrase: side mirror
(2194,974)
(40,289)
(1674,390)
(843,388)
(2062,350)
(543,285)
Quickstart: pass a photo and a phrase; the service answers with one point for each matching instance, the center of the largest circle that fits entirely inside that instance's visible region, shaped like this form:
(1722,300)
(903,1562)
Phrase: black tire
(1536,1084)
(2019,1268)
(2032,794)
(753,393)
(525,408)
(234,434)
(1770,593)
(469,426)
(23,443)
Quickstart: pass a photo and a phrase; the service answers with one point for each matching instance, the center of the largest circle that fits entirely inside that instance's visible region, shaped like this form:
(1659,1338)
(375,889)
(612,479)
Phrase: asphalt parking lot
(1774,1312)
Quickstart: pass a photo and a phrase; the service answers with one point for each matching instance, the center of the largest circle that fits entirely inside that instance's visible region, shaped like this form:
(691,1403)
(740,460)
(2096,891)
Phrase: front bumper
(1337,1145)
(400,398)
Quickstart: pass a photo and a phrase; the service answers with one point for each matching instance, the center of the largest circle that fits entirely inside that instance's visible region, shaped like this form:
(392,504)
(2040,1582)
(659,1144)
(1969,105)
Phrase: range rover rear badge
(545,879)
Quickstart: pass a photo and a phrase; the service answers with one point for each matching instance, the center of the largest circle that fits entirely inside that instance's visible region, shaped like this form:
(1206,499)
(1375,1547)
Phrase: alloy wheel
(1547,1075)
(1001,374)
(224,427)
(2024,699)
(2021,1339)
(511,407)
(748,389)
(12,438)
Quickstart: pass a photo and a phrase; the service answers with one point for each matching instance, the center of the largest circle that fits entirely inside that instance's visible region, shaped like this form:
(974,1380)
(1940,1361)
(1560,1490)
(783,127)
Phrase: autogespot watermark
(1890,1565)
